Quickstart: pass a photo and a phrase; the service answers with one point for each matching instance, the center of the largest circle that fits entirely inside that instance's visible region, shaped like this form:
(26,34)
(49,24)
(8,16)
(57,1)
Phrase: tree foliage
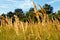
(48,8)
(10,14)
(30,15)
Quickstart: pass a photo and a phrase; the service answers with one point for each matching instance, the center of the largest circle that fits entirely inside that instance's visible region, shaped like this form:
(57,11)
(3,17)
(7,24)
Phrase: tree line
(30,15)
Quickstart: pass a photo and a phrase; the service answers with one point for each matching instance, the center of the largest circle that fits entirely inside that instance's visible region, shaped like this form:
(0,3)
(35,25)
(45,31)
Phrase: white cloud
(3,6)
(18,4)
(21,3)
(12,0)
(13,4)
(26,4)
(15,1)
(51,2)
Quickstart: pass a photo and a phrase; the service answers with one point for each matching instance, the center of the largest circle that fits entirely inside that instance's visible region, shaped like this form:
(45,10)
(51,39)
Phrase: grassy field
(30,31)
(45,30)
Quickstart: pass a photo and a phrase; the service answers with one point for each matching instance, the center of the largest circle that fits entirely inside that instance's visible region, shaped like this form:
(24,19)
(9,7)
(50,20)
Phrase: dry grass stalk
(22,26)
(16,24)
(7,20)
(3,21)
(45,16)
(36,12)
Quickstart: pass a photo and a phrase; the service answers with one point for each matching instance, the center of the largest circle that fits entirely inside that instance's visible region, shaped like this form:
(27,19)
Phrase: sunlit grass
(30,31)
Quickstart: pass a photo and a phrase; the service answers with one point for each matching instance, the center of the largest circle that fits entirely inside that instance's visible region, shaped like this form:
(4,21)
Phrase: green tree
(31,15)
(10,14)
(19,13)
(48,8)
(4,15)
(58,12)
(58,15)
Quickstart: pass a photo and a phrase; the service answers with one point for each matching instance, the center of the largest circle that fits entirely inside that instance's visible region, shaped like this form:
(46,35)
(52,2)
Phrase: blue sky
(11,5)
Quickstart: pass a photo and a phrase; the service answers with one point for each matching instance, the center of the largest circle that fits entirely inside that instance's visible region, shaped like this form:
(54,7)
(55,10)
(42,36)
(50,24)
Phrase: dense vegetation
(28,26)
(30,14)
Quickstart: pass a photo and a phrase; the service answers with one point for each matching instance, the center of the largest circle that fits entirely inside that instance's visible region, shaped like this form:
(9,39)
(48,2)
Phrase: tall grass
(49,30)
(45,30)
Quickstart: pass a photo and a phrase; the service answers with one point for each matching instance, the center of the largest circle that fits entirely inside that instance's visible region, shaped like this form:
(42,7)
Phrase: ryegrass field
(30,31)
